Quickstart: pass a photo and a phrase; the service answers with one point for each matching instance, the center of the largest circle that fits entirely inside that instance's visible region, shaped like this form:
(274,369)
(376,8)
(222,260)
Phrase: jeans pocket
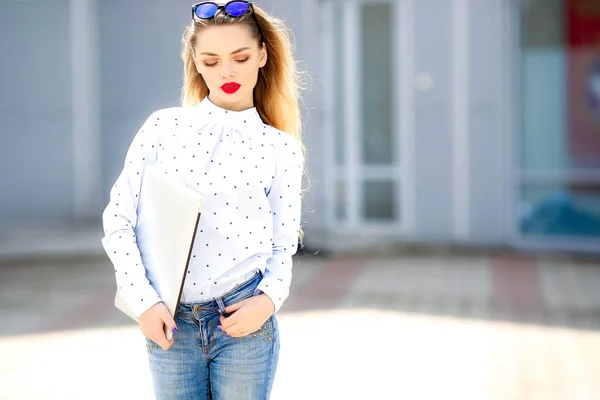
(151,345)
(265,332)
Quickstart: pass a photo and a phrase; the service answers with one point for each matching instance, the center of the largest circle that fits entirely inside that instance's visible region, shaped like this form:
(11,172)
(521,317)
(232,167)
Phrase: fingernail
(228,335)
(219,328)
(175,330)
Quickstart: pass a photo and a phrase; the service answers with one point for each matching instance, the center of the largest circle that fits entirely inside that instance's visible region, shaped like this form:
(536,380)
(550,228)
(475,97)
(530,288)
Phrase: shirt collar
(241,120)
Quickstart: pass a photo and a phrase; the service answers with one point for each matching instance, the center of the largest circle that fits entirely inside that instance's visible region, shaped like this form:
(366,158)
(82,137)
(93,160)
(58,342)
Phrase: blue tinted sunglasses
(235,9)
(208,9)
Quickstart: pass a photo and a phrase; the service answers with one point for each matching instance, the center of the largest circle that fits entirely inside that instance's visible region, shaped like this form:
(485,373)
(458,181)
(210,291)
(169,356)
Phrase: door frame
(353,173)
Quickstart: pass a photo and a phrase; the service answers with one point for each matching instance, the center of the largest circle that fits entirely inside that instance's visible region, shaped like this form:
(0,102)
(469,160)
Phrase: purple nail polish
(219,328)
(175,330)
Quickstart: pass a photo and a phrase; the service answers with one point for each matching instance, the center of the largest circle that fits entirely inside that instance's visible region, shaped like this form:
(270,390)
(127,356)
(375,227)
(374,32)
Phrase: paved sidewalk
(422,327)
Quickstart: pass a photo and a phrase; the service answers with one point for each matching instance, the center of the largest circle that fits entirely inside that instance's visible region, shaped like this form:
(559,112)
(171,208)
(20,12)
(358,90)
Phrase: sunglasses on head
(235,8)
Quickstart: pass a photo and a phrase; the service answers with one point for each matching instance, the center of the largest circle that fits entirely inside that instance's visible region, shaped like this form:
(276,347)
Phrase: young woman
(236,140)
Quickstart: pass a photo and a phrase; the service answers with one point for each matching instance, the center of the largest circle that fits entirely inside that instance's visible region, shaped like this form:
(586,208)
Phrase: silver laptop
(168,217)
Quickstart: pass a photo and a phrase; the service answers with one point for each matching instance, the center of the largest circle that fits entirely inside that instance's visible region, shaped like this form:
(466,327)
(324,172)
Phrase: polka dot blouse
(250,177)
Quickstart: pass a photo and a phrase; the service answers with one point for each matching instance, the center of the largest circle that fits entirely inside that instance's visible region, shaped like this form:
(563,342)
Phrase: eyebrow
(233,52)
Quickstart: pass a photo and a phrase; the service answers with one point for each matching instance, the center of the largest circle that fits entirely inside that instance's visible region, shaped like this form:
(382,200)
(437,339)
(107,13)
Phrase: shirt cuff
(277,291)
(140,300)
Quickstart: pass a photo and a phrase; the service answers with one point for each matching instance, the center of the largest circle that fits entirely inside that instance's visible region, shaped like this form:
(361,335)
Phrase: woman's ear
(262,55)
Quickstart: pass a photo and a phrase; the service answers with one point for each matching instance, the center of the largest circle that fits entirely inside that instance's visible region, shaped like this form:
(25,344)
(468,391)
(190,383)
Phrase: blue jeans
(203,363)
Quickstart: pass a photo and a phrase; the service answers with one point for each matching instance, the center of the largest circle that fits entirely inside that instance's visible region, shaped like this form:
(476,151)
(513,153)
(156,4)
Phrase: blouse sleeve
(120,217)
(285,201)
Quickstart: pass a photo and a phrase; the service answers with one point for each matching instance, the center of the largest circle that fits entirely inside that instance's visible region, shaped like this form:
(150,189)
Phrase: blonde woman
(236,140)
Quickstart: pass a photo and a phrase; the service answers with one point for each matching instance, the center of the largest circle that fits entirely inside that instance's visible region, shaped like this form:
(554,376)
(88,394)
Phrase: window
(560,118)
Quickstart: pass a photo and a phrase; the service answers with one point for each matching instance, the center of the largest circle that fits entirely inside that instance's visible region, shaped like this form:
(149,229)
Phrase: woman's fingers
(152,323)
(239,331)
(228,322)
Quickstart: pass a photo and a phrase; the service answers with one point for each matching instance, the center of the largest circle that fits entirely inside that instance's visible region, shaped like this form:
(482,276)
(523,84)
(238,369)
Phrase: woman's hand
(152,324)
(249,316)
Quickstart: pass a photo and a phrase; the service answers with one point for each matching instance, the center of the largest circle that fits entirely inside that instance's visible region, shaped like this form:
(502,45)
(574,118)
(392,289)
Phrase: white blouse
(249,174)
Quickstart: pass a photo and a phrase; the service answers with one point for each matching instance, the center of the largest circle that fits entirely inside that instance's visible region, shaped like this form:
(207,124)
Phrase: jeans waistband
(242,292)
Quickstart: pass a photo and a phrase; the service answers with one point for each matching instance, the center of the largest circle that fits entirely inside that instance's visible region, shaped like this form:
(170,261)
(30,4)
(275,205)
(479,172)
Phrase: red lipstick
(230,87)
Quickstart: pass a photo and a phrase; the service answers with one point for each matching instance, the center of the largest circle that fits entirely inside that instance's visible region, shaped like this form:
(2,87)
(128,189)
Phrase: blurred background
(452,226)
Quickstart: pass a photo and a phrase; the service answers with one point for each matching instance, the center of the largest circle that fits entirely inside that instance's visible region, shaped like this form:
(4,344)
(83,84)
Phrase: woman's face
(228,58)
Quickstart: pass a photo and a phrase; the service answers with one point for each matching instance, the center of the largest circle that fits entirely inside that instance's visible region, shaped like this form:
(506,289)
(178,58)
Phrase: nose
(227,71)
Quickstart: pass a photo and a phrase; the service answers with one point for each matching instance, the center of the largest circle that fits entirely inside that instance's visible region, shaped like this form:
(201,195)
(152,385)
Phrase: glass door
(367,115)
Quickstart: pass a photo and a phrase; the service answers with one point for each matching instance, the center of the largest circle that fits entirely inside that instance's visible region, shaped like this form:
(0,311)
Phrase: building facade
(437,121)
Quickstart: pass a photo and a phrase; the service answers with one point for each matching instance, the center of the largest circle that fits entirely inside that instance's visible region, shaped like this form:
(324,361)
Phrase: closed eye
(215,63)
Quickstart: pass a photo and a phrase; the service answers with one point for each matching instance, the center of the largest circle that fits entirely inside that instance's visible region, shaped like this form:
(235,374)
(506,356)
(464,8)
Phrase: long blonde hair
(277,91)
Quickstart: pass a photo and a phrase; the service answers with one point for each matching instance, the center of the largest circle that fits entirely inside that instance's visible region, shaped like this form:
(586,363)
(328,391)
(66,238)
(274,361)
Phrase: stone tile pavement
(470,326)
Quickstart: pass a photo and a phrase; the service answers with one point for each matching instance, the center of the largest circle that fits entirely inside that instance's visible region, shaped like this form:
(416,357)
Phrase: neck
(241,105)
